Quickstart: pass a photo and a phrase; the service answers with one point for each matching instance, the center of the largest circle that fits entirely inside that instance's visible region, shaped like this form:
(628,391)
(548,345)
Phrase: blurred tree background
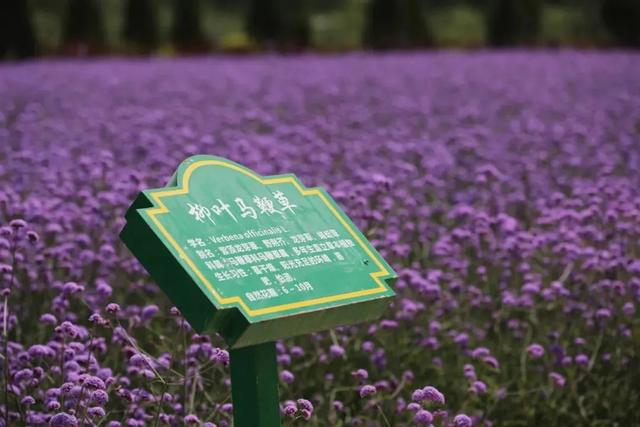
(85,27)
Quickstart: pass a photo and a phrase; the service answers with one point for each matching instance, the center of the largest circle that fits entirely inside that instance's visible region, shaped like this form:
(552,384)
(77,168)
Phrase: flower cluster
(502,187)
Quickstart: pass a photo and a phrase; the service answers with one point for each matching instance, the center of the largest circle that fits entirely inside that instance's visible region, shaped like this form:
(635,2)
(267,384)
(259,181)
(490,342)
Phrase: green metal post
(254,386)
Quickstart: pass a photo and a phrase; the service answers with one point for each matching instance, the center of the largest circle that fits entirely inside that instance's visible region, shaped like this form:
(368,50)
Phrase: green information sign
(255,258)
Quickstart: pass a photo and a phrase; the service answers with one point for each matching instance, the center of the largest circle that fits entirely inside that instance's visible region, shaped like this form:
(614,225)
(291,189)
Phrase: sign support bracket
(254,386)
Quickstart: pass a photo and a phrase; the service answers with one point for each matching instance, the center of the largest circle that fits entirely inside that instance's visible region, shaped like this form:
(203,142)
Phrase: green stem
(398,389)
(384,418)
(5,331)
(192,397)
(141,351)
(5,353)
(84,412)
(596,350)
(185,368)
(159,406)
(64,340)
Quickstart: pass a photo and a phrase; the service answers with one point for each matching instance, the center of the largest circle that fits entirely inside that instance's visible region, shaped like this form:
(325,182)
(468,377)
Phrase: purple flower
(418,395)
(360,374)
(337,351)
(93,383)
(222,356)
(536,351)
(53,405)
(23,375)
(103,288)
(480,352)
(582,359)
(66,388)
(28,401)
(389,324)
(289,409)
(49,318)
(629,309)
(38,350)
(557,379)
(96,319)
(6,231)
(408,376)
(113,308)
(100,397)
(305,404)
(96,412)
(287,377)
(297,351)
(478,387)
(18,224)
(462,338)
(368,346)
(367,390)
(149,311)
(413,407)
(423,417)
(469,371)
(491,361)
(71,288)
(63,420)
(139,360)
(32,236)
(461,420)
(432,394)
(69,329)
(191,419)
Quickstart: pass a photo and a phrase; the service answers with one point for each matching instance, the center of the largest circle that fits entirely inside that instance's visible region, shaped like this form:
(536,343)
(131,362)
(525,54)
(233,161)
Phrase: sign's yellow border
(183,188)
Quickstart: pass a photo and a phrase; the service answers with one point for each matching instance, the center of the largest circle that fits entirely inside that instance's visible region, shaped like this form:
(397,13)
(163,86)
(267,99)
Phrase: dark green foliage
(84,24)
(263,20)
(382,24)
(141,26)
(16,32)
(296,31)
(186,32)
(230,5)
(396,23)
(414,32)
(279,23)
(622,19)
(326,5)
(513,22)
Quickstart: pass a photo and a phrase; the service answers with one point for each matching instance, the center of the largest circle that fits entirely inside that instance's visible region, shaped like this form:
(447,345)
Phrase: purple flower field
(504,188)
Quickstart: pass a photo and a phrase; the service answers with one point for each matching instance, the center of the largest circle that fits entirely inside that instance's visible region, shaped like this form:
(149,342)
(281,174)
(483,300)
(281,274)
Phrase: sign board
(255,258)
